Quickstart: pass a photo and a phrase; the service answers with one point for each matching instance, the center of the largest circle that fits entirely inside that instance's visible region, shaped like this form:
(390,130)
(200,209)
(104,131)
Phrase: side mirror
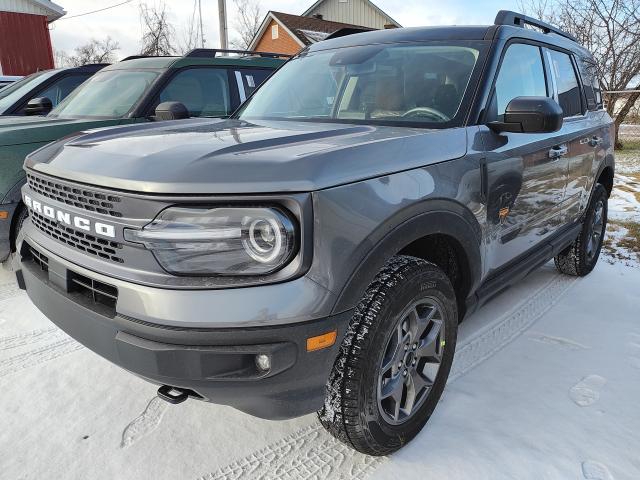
(171,111)
(38,106)
(530,115)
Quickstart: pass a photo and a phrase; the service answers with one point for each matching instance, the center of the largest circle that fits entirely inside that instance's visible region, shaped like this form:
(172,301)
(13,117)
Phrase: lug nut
(404,374)
(415,345)
(414,362)
(399,364)
(406,347)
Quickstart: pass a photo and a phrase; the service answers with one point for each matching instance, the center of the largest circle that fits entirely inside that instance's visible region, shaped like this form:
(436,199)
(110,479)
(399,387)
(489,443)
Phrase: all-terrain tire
(579,259)
(351,412)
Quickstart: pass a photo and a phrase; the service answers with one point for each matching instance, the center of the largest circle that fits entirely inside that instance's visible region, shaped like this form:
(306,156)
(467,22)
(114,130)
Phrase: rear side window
(252,79)
(569,96)
(521,75)
(204,91)
(590,83)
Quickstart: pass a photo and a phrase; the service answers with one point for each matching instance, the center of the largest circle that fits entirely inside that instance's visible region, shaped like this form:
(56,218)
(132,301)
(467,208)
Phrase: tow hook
(173,395)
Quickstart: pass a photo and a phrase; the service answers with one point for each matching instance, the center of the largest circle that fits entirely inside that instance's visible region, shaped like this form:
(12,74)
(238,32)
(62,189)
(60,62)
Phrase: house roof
(373,5)
(306,30)
(36,7)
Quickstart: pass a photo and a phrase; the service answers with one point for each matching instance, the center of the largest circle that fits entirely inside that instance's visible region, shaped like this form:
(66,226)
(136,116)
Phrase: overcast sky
(123,25)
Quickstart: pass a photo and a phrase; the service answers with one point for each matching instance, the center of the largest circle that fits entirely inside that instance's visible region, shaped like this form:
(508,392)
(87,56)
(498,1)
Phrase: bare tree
(250,17)
(191,36)
(158,35)
(610,29)
(96,51)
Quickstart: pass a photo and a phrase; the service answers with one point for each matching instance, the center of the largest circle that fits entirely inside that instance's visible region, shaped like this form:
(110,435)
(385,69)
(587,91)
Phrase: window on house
(274,32)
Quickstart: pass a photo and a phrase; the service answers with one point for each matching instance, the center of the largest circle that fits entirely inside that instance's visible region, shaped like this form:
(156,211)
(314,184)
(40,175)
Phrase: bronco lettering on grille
(70,220)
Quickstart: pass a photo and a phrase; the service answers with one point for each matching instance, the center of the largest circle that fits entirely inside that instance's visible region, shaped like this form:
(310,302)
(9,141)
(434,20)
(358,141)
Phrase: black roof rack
(136,57)
(212,52)
(344,32)
(507,17)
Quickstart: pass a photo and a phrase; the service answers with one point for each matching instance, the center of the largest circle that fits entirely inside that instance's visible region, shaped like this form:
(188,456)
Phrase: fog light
(263,362)
(4,215)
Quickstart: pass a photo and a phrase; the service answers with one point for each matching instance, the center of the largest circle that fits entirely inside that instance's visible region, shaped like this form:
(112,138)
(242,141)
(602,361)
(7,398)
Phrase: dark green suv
(205,82)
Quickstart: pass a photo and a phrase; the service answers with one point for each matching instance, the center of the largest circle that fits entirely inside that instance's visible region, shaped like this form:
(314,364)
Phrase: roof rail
(507,17)
(344,32)
(136,57)
(213,52)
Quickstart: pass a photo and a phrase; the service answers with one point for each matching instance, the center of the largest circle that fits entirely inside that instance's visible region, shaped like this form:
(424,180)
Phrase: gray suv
(317,251)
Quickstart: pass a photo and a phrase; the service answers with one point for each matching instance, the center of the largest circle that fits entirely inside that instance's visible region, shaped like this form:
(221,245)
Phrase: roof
(35,7)
(373,5)
(179,62)
(306,30)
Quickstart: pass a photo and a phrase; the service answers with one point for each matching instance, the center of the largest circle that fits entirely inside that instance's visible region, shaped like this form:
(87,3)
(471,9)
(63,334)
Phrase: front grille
(98,247)
(98,292)
(75,195)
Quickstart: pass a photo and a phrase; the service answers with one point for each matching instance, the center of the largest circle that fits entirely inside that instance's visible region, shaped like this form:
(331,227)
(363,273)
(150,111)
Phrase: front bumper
(216,364)
(5,229)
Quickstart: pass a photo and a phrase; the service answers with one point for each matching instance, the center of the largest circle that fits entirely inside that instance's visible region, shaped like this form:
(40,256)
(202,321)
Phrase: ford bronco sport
(317,251)
(201,84)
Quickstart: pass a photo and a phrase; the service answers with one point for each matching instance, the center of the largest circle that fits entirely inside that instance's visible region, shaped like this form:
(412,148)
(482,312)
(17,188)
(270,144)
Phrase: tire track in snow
(308,454)
(28,338)
(311,453)
(38,356)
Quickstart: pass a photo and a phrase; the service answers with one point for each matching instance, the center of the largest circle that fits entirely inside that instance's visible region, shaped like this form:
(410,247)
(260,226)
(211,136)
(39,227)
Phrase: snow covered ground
(545,386)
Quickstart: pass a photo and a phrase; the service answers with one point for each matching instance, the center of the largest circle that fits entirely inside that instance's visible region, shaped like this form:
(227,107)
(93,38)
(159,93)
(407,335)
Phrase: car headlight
(219,241)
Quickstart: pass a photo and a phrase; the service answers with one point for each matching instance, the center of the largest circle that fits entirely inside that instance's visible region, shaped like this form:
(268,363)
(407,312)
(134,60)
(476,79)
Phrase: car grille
(75,195)
(90,244)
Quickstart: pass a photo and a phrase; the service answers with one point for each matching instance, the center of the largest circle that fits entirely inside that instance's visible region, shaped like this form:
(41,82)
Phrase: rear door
(525,174)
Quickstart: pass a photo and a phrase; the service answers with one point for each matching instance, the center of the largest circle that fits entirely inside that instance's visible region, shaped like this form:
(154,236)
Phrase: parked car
(140,89)
(6,80)
(54,85)
(317,250)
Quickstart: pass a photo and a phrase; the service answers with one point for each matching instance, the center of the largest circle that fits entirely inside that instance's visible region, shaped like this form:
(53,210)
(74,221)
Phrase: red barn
(25,44)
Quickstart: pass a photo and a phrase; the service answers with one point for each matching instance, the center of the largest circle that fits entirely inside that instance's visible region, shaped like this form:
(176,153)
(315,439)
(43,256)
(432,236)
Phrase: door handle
(595,141)
(558,151)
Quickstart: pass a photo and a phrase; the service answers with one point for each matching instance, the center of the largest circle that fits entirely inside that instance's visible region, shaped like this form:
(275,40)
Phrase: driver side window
(521,75)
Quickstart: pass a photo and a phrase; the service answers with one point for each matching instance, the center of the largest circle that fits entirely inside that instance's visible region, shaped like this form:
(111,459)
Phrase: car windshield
(14,92)
(108,94)
(384,84)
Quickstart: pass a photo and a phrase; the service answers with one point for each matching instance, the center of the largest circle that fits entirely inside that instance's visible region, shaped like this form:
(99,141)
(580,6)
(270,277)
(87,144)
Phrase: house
(288,34)
(356,12)
(25,44)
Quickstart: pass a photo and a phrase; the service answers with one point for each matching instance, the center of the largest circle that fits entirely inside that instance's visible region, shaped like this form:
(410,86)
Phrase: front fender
(445,217)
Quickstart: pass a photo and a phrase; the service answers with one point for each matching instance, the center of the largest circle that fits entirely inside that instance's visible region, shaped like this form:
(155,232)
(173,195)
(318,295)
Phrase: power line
(96,11)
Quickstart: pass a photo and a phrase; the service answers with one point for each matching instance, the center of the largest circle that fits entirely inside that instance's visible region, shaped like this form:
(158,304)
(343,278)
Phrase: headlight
(219,241)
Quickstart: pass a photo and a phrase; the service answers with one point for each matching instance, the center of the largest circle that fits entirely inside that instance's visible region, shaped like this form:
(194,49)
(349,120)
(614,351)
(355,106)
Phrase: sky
(123,24)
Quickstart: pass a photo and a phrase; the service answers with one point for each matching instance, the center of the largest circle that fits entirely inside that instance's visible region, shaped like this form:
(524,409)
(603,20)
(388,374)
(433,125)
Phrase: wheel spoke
(393,388)
(429,348)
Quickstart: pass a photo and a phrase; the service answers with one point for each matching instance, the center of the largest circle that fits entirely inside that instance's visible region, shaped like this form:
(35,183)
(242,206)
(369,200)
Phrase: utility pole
(224,34)
(201,28)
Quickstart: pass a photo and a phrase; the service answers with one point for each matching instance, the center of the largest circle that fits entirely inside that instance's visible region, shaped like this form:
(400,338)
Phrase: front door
(525,173)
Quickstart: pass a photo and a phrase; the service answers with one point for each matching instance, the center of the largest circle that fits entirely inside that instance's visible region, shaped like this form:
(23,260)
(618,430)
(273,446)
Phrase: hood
(22,130)
(227,157)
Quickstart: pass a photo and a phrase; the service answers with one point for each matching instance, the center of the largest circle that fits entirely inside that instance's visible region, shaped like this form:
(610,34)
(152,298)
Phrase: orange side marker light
(4,215)
(321,341)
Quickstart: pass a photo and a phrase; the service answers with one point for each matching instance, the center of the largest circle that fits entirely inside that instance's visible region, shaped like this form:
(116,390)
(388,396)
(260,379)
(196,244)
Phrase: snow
(544,386)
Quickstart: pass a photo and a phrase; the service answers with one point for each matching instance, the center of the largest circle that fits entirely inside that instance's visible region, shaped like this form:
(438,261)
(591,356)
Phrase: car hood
(226,157)
(22,130)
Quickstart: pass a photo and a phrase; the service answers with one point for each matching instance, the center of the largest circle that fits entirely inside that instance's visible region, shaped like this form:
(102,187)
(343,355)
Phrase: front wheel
(395,359)
(580,258)
(21,216)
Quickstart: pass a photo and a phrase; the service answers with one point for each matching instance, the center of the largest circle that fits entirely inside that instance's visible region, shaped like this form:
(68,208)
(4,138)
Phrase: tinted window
(61,88)
(385,84)
(252,79)
(204,91)
(12,94)
(590,83)
(569,95)
(108,94)
(521,75)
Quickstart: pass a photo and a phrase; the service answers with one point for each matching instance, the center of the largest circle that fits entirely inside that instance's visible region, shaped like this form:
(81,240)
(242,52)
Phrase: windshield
(386,84)
(14,92)
(108,94)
